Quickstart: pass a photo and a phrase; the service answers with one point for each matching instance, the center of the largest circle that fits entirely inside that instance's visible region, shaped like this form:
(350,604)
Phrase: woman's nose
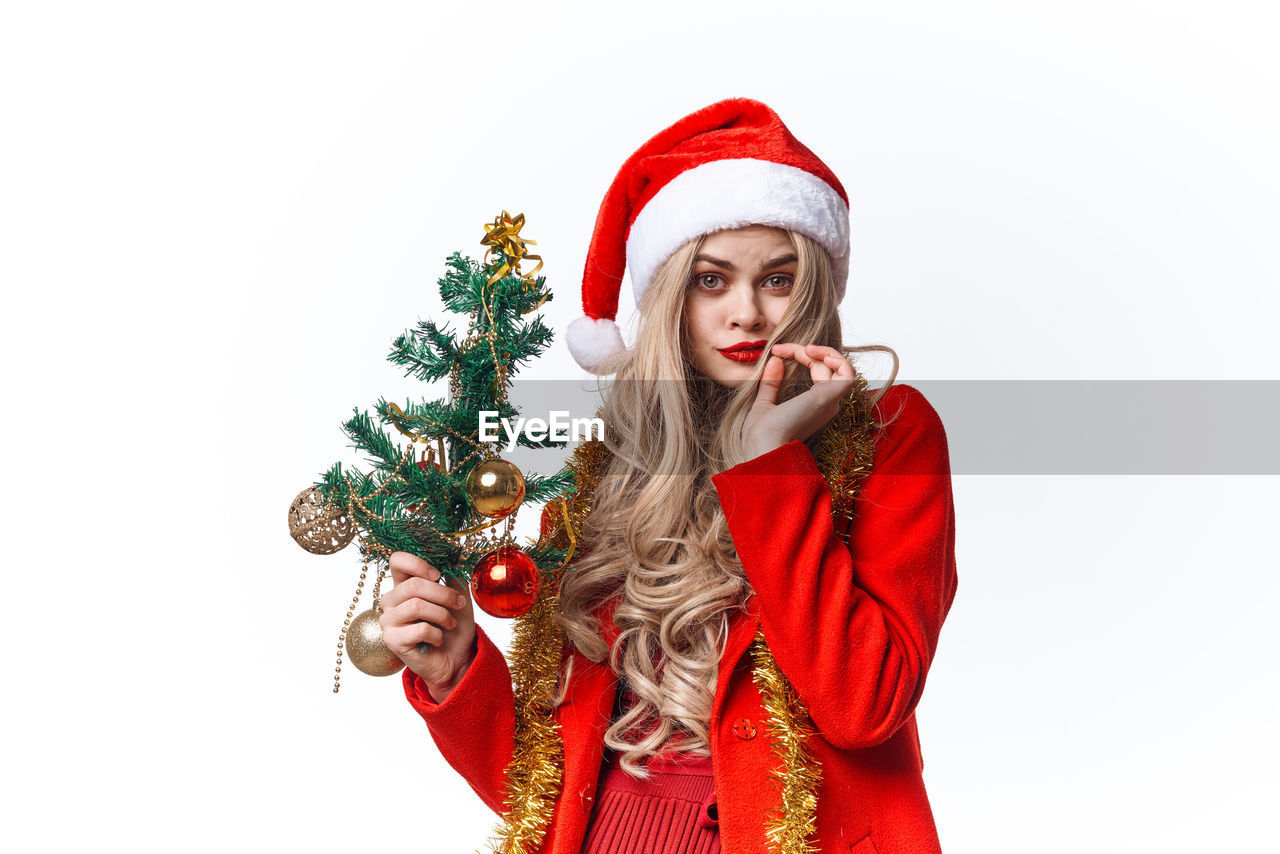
(745,309)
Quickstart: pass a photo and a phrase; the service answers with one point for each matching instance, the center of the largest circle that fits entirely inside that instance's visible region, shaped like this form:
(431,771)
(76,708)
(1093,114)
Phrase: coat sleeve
(853,627)
(474,728)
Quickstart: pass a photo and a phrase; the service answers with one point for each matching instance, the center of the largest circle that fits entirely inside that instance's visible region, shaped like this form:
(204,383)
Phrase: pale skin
(739,290)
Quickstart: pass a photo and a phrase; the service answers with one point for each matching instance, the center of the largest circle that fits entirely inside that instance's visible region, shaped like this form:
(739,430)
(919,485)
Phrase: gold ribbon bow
(504,234)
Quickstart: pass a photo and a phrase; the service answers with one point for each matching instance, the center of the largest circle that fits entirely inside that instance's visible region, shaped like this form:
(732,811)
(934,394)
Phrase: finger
(818,351)
(818,369)
(836,364)
(420,609)
(832,358)
(770,382)
(795,351)
(395,627)
(462,589)
(405,639)
(841,365)
(424,633)
(400,638)
(406,564)
(403,565)
(415,587)
(395,637)
(842,378)
(836,384)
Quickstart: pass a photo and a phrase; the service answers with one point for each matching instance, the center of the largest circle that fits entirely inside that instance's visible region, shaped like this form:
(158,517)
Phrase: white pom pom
(592,341)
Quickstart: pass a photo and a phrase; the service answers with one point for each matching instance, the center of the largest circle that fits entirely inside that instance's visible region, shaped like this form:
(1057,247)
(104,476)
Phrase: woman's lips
(745,355)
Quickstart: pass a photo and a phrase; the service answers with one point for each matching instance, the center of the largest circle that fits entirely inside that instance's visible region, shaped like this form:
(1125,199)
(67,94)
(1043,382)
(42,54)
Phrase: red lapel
(742,628)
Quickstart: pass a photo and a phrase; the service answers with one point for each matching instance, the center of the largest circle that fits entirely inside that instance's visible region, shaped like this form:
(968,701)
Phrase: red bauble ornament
(506,582)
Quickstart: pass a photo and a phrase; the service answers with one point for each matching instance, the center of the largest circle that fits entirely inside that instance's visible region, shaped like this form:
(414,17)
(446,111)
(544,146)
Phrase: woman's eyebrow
(776,262)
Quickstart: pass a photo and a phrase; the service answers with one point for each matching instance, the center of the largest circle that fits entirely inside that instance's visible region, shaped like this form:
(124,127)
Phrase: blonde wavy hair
(656,535)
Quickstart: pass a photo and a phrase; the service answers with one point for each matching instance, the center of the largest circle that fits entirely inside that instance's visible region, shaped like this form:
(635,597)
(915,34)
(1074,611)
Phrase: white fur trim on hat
(731,194)
(592,341)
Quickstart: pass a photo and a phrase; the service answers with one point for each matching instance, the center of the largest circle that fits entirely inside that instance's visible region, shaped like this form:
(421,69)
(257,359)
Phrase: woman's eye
(779,282)
(706,280)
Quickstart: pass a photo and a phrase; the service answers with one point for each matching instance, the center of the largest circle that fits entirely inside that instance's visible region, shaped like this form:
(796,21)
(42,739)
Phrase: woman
(763,573)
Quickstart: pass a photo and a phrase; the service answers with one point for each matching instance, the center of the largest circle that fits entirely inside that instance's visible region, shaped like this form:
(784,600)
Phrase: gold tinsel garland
(800,775)
(844,453)
(534,773)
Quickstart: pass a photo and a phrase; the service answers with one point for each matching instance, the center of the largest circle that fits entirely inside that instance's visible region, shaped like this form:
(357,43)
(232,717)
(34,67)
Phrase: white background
(215,218)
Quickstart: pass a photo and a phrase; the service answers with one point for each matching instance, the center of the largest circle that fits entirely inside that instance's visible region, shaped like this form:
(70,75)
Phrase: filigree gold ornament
(318,526)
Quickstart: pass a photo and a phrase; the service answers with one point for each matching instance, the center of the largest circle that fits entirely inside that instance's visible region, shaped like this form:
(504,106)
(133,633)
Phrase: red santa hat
(731,164)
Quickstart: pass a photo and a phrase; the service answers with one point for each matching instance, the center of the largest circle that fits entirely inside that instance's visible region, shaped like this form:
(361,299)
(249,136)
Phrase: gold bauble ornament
(495,488)
(366,649)
(318,526)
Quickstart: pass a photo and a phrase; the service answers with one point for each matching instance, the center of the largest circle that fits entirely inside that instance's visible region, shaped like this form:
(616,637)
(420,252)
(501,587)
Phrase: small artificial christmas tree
(446,506)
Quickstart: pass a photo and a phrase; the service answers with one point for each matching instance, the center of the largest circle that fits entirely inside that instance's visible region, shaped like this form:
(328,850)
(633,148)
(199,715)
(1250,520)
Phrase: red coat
(853,627)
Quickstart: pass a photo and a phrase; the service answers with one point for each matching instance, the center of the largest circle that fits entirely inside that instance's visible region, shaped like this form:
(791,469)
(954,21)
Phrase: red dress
(672,812)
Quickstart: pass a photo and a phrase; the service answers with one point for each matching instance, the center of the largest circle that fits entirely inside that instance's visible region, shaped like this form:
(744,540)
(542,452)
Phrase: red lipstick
(743,351)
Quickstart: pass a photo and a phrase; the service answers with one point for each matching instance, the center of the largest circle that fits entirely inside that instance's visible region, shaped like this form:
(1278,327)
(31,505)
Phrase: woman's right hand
(420,610)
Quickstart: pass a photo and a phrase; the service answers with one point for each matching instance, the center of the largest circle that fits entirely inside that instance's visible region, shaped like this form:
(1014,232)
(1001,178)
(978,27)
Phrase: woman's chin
(723,371)
(732,378)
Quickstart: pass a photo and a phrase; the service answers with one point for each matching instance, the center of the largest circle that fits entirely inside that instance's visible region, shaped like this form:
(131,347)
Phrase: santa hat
(728,165)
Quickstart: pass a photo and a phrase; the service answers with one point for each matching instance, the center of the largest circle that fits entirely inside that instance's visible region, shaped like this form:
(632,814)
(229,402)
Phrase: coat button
(709,815)
(587,798)
(744,729)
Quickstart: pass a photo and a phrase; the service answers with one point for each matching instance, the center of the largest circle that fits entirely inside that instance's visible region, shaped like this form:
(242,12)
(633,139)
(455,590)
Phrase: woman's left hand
(770,424)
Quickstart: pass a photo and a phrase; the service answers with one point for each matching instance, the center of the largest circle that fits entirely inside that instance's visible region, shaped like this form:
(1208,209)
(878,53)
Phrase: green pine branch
(404,507)
(365,437)
(550,487)
(427,352)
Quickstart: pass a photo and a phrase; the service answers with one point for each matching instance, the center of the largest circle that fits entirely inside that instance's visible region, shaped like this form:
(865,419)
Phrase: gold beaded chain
(482,448)
(346,624)
(383,551)
(352,500)
(499,365)
(367,544)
